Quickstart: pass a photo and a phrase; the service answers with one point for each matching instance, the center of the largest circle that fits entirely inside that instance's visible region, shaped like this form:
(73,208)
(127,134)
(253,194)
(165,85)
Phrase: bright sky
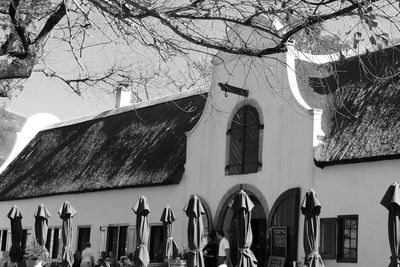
(46,95)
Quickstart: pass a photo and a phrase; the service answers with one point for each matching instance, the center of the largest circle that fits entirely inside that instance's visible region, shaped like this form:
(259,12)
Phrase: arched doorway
(225,221)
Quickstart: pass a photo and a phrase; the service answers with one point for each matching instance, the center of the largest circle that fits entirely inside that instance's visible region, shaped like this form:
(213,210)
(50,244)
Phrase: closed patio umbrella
(311,209)
(195,210)
(167,218)
(66,213)
(15,217)
(391,201)
(42,215)
(142,209)
(242,206)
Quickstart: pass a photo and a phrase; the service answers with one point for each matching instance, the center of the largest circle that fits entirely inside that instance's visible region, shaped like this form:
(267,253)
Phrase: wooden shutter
(328,238)
(103,238)
(236,143)
(131,239)
(252,133)
(244,141)
(8,240)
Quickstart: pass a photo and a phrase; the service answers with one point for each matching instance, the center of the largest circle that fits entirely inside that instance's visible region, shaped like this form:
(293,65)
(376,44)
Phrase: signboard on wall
(279,242)
(274,261)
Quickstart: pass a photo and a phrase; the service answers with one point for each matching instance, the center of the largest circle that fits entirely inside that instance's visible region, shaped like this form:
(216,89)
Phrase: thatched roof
(10,124)
(137,147)
(360,97)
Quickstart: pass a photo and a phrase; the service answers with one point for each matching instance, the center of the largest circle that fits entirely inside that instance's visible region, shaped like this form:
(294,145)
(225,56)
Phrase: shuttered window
(339,238)
(244,142)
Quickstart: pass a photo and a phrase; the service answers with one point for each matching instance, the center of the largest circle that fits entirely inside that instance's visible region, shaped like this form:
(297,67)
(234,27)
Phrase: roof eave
(322,164)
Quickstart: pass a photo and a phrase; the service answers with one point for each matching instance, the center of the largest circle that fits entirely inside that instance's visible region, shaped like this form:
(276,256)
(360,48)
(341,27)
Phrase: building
(320,122)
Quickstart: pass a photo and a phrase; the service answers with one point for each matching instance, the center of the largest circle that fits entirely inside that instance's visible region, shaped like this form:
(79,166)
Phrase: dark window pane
(346,233)
(156,243)
(48,240)
(353,233)
(24,238)
(347,224)
(83,237)
(346,253)
(122,241)
(4,240)
(56,243)
(112,239)
(353,253)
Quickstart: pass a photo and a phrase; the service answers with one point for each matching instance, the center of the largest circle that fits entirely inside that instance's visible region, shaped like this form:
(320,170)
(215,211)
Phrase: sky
(104,49)
(45,95)
(42,94)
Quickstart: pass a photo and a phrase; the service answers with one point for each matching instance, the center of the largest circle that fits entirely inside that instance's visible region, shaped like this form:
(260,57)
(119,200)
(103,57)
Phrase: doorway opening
(258,222)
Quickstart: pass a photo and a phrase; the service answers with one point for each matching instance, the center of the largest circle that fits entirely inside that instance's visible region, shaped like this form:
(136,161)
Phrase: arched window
(244,142)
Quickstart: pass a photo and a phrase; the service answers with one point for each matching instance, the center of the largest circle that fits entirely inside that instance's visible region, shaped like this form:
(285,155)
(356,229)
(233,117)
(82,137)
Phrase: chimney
(122,96)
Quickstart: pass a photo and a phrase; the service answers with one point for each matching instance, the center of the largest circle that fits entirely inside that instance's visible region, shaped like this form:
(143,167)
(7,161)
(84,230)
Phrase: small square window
(347,238)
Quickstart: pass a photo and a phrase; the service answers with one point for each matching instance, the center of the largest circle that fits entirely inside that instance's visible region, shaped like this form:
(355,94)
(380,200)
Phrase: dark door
(83,237)
(258,227)
(285,213)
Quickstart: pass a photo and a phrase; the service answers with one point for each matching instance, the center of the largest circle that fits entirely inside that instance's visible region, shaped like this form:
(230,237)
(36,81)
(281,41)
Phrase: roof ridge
(135,106)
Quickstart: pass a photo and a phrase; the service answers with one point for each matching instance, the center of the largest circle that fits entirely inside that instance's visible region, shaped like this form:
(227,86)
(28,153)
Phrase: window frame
(78,234)
(341,239)
(117,254)
(50,248)
(247,109)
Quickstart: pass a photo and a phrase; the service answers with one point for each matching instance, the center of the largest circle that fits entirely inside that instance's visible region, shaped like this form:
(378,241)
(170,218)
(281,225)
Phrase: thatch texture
(140,147)
(360,97)
(10,124)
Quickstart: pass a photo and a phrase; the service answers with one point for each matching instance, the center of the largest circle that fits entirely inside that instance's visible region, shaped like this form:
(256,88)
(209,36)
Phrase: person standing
(87,256)
(223,250)
(210,251)
(77,259)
